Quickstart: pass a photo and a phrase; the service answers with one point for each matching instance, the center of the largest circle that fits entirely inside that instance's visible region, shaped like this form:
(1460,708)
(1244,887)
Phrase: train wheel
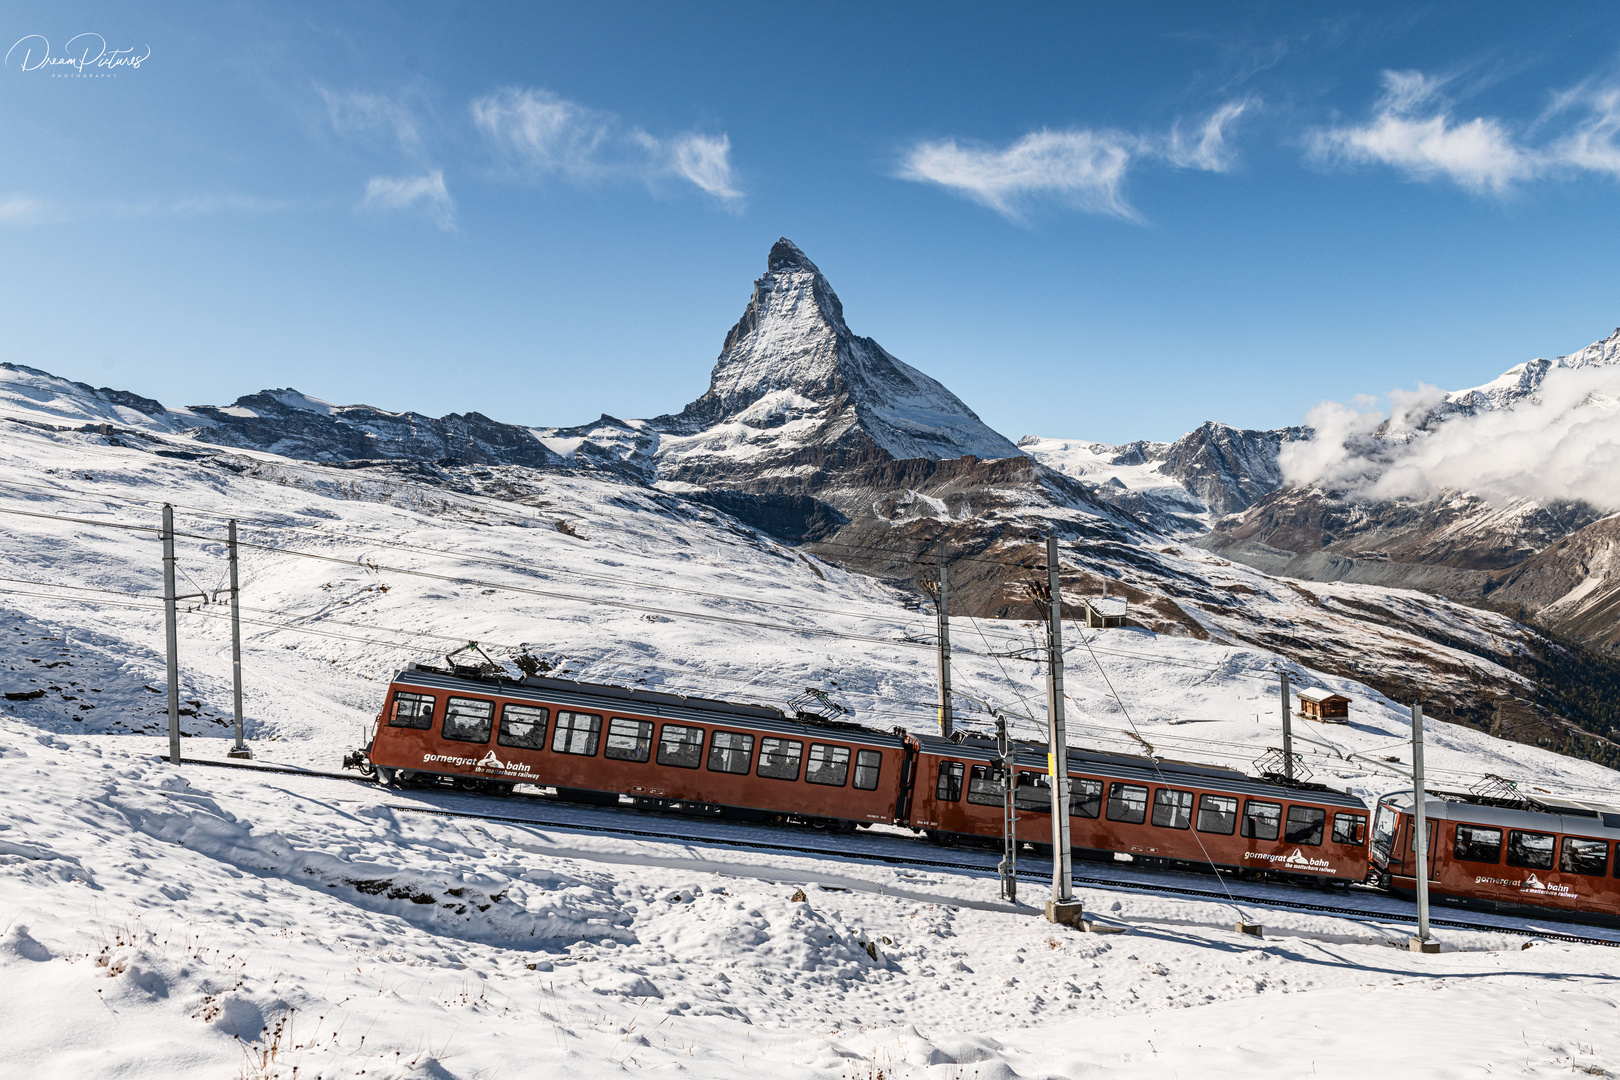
(385,776)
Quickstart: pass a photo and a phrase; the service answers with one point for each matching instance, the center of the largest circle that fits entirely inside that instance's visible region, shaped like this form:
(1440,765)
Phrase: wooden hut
(1104,611)
(1324,705)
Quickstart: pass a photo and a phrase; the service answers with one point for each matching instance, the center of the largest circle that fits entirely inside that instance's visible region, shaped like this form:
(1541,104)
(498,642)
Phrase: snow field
(188,924)
(207,923)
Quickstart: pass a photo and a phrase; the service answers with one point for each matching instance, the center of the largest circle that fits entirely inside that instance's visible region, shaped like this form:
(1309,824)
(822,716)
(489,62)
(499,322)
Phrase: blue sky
(1107,222)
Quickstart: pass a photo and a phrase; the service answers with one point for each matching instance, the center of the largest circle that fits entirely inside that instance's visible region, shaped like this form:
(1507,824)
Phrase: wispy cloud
(17,209)
(1083,167)
(356,114)
(424,194)
(541,135)
(1414,130)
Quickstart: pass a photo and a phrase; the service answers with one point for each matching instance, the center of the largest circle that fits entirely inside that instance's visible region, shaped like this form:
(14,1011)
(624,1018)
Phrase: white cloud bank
(425,194)
(1413,130)
(1563,443)
(1083,167)
(540,135)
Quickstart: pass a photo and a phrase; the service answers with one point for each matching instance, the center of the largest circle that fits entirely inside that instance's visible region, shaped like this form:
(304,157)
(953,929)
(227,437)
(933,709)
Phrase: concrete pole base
(1065,912)
(1101,928)
(1253,929)
(242,753)
(1419,945)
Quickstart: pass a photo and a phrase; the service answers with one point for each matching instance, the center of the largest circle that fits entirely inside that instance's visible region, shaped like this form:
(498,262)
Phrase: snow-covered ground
(195,922)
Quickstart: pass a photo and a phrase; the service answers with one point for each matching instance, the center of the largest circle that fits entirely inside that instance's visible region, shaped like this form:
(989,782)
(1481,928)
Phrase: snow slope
(197,922)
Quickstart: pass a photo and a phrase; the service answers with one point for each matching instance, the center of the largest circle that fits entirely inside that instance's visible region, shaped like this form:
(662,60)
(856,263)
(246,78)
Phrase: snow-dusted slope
(792,376)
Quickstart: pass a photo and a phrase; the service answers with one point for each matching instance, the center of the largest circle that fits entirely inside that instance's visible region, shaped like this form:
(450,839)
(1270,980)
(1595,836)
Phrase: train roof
(1142,770)
(1557,814)
(605,698)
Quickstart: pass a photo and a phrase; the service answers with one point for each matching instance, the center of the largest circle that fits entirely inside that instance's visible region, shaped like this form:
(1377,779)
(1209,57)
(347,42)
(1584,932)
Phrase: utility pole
(240,750)
(943,610)
(171,633)
(1288,729)
(1009,814)
(1420,838)
(1063,907)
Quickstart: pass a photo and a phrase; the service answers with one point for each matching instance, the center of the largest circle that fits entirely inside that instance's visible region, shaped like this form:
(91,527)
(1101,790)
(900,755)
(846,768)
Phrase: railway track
(1159,888)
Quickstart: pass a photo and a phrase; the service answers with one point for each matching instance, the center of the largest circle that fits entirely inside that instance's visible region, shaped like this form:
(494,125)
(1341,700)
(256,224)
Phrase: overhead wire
(1242,915)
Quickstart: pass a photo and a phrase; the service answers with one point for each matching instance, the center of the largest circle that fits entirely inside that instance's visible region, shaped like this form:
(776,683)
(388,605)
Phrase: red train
(1528,856)
(595,743)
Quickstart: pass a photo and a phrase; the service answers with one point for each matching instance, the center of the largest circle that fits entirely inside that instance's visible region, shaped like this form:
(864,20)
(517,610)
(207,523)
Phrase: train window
(680,746)
(868,763)
(1305,825)
(1531,850)
(828,765)
(1589,857)
(1350,829)
(1127,803)
(1172,809)
(523,726)
(984,787)
(949,786)
(576,733)
(1085,798)
(629,740)
(1261,820)
(468,719)
(779,758)
(1217,814)
(412,711)
(1033,793)
(1475,843)
(730,751)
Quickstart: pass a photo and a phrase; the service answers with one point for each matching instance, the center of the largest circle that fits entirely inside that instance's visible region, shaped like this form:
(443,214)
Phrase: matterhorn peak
(785,255)
(791,375)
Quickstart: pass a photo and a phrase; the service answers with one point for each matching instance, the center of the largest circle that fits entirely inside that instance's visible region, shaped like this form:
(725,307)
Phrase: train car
(595,743)
(957,791)
(1159,813)
(1544,857)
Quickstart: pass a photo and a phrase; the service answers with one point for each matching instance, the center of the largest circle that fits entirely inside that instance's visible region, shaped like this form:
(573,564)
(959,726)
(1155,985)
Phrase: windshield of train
(1383,832)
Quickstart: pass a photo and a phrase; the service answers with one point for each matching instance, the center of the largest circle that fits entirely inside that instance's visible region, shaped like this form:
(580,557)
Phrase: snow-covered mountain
(1179,488)
(792,375)
(1459,541)
(1522,381)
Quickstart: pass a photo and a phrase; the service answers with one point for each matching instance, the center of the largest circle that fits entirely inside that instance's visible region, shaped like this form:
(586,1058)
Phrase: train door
(1409,852)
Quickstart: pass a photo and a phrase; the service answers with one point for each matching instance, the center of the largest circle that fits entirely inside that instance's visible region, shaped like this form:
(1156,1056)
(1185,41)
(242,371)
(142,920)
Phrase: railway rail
(1156,887)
